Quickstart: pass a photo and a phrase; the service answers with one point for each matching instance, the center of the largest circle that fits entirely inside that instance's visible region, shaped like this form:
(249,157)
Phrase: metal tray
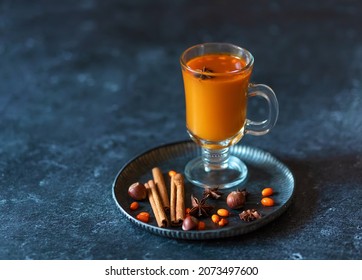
(264,171)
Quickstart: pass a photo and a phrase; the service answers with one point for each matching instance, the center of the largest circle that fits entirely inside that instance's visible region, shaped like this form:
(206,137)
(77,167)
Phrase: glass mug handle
(263,127)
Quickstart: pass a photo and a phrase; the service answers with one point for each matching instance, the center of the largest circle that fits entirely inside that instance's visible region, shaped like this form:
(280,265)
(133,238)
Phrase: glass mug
(217,88)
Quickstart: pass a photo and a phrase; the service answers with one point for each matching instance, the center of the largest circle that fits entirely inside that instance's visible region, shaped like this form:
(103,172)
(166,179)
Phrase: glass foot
(232,173)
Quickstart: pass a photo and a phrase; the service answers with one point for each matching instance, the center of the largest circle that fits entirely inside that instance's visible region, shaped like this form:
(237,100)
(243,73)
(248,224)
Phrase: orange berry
(223,222)
(267,201)
(223,212)
(267,192)
(215,218)
(134,205)
(143,217)
(201,225)
(172,173)
(187,210)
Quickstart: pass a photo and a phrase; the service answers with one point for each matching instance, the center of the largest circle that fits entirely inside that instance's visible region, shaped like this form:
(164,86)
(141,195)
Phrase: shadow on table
(313,176)
(316,179)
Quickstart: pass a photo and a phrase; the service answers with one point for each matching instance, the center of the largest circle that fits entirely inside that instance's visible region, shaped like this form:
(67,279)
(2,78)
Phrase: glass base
(233,173)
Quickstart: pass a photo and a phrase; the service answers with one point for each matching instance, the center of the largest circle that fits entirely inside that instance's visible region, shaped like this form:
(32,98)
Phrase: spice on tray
(189,223)
(161,187)
(249,215)
(236,199)
(199,207)
(156,204)
(212,192)
(137,191)
(171,210)
(177,200)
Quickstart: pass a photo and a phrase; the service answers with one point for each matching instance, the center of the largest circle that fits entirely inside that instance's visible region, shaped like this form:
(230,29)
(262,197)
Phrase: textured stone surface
(87,85)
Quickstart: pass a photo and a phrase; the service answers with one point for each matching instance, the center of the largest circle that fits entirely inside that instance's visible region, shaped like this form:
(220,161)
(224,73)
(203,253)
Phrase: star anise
(202,74)
(249,215)
(199,207)
(212,192)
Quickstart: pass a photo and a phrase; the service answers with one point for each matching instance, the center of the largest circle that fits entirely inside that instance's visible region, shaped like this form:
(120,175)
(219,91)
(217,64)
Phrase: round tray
(264,171)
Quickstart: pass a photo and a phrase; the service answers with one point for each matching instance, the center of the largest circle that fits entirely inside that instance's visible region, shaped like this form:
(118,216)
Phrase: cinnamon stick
(177,201)
(173,195)
(156,204)
(161,187)
(152,202)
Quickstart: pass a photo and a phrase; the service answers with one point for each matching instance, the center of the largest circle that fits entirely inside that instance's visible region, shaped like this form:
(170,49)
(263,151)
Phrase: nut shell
(236,199)
(189,223)
(137,191)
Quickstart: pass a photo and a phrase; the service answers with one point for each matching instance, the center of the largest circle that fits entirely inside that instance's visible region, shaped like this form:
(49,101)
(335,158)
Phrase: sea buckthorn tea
(216,98)
(217,88)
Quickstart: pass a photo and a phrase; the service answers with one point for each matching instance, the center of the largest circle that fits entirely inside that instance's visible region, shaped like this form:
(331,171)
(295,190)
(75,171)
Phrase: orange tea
(216,96)
(217,89)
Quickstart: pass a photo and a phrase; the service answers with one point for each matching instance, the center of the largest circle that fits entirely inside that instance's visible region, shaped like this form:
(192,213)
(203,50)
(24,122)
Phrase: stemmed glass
(217,88)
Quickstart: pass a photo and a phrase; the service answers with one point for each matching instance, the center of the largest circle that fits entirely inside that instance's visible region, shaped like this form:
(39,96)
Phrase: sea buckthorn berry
(267,201)
(267,192)
(223,222)
(134,205)
(201,225)
(143,217)
(172,173)
(223,212)
(215,218)
(187,211)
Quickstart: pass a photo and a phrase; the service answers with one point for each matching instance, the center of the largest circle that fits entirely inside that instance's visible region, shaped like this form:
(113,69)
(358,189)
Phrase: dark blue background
(87,85)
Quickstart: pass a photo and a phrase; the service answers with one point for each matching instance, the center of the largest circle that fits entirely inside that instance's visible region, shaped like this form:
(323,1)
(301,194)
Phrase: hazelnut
(189,223)
(137,191)
(236,199)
